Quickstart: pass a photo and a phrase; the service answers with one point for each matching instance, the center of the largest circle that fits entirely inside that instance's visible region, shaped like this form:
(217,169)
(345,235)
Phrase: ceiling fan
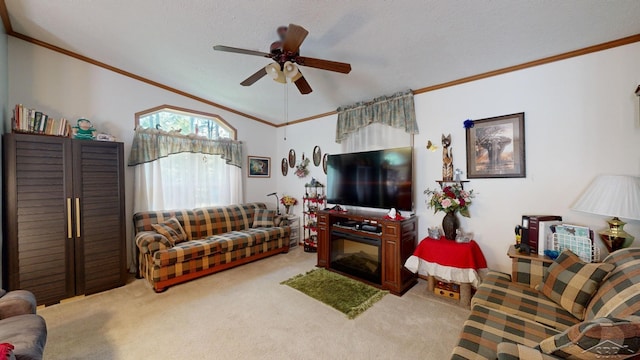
(286,54)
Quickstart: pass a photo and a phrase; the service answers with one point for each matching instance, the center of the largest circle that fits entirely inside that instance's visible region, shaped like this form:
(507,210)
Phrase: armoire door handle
(69,227)
(77,217)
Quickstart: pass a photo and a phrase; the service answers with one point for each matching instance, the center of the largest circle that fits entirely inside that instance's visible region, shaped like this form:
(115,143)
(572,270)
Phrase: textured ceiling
(391,45)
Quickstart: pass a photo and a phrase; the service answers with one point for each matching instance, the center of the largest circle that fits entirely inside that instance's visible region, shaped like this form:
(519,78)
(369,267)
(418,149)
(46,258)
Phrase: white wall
(581,120)
(62,86)
(302,138)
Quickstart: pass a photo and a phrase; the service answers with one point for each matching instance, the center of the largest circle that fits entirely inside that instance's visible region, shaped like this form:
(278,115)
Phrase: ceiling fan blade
(294,38)
(324,64)
(255,77)
(302,85)
(241,51)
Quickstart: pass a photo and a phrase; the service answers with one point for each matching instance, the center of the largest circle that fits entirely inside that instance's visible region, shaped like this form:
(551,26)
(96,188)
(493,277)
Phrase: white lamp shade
(612,195)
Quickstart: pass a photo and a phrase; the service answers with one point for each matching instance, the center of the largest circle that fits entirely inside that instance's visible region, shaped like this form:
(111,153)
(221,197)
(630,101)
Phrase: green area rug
(346,295)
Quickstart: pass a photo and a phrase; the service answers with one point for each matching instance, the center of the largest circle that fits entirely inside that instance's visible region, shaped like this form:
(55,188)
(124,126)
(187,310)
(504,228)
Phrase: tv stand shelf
(397,240)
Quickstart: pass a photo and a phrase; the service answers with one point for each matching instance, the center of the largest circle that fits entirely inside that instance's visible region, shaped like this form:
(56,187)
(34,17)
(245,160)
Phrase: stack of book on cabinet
(36,122)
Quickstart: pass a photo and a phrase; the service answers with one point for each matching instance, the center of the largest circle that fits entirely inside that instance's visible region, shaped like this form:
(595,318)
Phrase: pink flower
(446,203)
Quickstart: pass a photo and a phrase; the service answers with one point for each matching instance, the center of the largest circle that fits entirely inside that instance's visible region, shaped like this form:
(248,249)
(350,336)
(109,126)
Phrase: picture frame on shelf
(259,166)
(496,147)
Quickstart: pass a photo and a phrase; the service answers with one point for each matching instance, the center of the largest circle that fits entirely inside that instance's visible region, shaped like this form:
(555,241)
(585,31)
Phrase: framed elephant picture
(496,147)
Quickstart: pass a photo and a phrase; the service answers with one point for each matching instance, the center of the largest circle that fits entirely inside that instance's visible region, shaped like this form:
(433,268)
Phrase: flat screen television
(375,179)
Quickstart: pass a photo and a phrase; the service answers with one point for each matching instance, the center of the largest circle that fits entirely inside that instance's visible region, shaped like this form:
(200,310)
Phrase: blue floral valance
(151,144)
(397,111)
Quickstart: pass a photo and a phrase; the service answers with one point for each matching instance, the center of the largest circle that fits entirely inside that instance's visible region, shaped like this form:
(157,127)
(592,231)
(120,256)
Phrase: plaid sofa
(512,320)
(217,238)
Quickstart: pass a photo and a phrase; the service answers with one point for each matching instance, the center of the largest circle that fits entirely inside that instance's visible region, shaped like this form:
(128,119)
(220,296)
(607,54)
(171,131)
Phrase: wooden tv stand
(397,241)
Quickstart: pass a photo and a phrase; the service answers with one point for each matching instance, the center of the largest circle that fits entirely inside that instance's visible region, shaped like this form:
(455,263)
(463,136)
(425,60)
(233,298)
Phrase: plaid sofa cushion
(571,283)
(485,328)
(155,273)
(144,220)
(263,218)
(599,338)
(172,230)
(222,219)
(228,242)
(511,351)
(619,293)
(497,291)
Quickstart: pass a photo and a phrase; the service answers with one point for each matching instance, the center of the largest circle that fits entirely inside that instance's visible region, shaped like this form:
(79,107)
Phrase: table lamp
(617,196)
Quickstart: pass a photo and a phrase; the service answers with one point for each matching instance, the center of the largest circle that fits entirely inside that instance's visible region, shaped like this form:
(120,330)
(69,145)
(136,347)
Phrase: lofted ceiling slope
(391,45)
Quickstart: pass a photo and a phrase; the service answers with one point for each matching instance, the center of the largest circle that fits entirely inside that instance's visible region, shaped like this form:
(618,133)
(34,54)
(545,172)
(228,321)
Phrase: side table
(461,263)
(527,268)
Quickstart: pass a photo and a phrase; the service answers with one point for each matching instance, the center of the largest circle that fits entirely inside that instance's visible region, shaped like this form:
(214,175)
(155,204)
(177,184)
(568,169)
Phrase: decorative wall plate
(292,158)
(284,166)
(317,155)
(325,158)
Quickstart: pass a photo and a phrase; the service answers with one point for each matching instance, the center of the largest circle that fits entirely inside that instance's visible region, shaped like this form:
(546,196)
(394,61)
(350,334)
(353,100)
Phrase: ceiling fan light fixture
(285,52)
(273,70)
(290,70)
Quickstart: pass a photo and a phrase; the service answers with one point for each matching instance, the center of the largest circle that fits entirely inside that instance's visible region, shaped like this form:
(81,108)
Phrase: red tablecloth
(450,253)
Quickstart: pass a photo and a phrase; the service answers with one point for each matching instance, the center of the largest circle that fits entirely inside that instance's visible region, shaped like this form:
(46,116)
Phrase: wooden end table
(450,261)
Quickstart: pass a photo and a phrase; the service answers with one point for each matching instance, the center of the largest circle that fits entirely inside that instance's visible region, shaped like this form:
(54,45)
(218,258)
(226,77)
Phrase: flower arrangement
(451,198)
(301,169)
(288,200)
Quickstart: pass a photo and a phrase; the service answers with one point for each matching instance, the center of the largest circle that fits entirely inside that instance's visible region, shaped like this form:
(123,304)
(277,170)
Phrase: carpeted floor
(244,313)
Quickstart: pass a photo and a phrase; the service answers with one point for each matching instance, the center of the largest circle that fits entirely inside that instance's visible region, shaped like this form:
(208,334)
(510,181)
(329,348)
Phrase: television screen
(376,179)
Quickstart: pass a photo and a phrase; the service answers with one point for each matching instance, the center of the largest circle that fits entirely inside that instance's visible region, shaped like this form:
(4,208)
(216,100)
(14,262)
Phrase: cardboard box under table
(446,263)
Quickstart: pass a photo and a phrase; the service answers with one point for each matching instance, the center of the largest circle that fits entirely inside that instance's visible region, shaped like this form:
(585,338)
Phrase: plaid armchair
(575,311)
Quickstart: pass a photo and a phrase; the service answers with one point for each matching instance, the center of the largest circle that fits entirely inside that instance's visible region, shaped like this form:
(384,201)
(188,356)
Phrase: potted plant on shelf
(288,201)
(450,200)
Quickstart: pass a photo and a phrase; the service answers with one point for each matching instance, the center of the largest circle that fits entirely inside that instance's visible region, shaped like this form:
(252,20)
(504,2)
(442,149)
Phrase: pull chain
(286,109)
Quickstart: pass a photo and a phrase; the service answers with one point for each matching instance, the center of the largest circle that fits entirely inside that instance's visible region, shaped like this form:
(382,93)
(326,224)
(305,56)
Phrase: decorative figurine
(447,158)
(84,130)
(458,172)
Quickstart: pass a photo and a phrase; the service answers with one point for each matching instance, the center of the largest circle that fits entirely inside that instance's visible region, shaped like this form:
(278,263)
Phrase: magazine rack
(581,246)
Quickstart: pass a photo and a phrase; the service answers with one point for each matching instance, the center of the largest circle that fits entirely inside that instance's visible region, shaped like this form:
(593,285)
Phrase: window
(170,118)
(174,170)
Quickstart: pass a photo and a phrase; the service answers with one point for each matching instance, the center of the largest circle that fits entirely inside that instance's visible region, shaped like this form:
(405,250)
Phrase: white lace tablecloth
(446,273)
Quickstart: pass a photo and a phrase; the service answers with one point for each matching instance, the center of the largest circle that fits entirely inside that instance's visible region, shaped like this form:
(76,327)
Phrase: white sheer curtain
(376,137)
(186,180)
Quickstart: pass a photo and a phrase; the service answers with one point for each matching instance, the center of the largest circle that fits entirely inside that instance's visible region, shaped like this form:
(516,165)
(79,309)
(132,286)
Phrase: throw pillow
(571,283)
(601,338)
(263,218)
(172,230)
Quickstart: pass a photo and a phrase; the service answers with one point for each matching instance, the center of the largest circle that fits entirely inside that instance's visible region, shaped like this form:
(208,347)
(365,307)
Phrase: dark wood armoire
(63,216)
